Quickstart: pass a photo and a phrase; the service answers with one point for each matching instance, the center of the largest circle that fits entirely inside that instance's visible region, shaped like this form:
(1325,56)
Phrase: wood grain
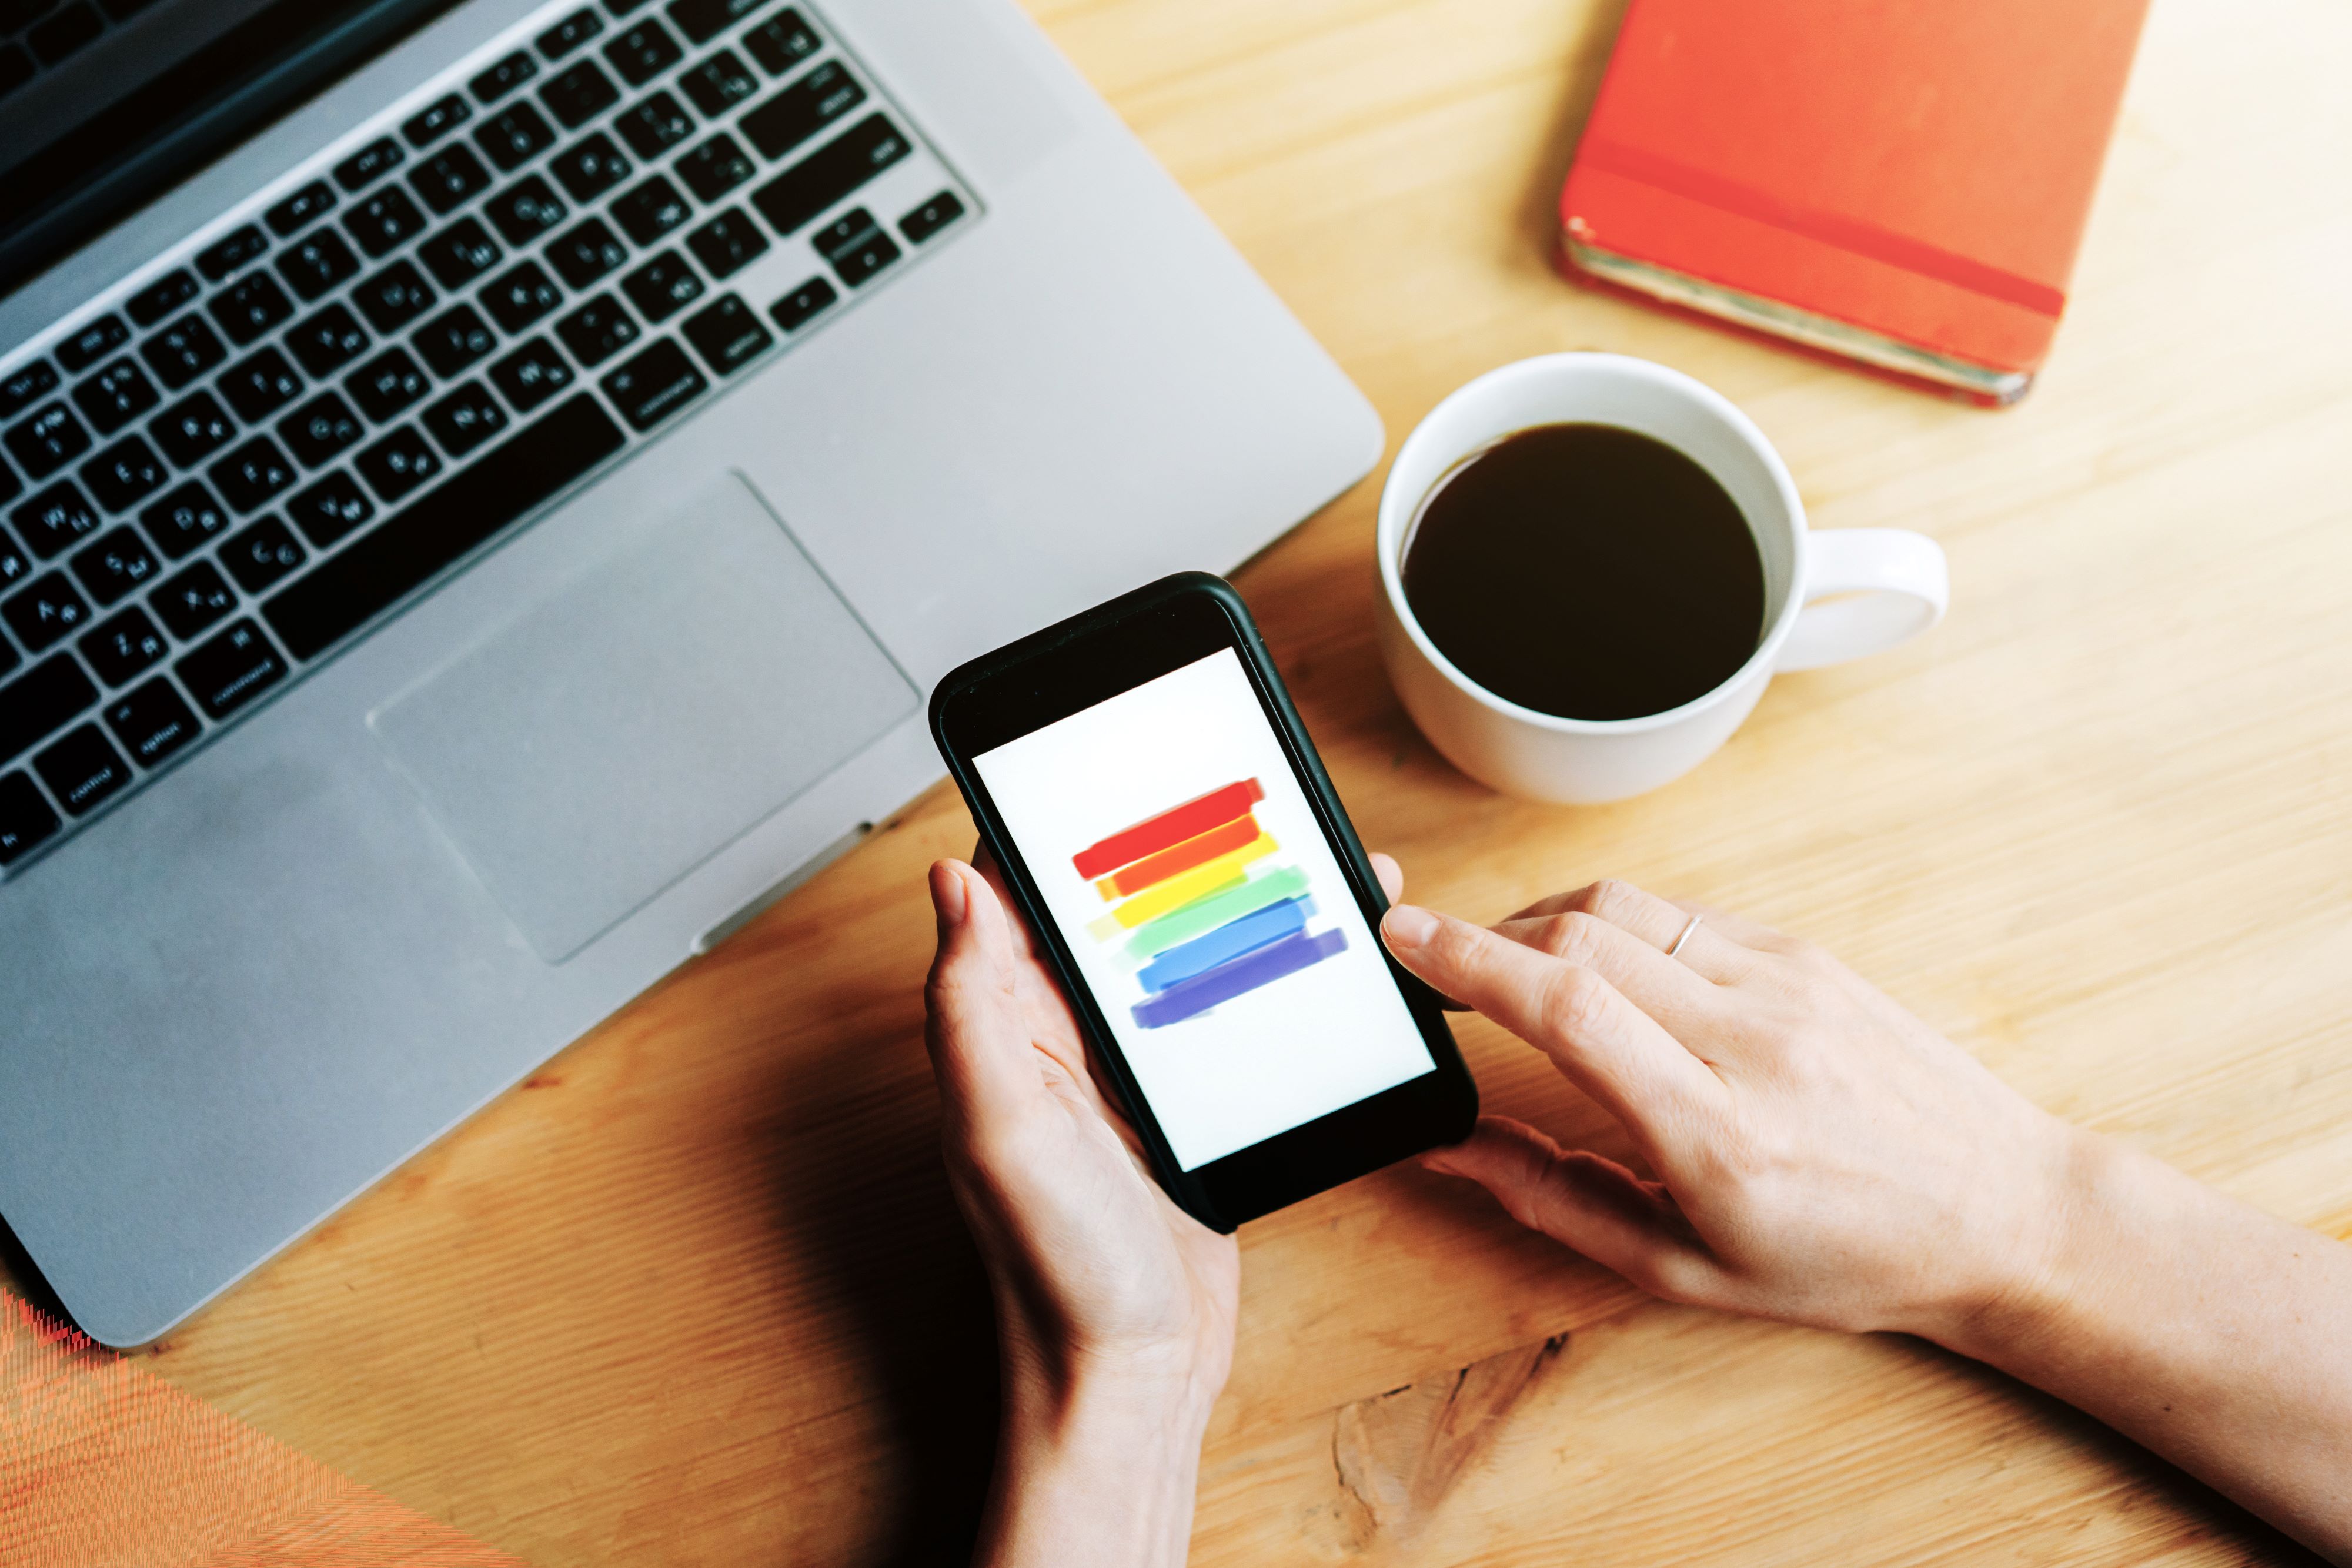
(696,1295)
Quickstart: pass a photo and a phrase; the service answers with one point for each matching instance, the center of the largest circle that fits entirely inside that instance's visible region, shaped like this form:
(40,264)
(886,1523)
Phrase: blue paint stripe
(1231,979)
(1231,940)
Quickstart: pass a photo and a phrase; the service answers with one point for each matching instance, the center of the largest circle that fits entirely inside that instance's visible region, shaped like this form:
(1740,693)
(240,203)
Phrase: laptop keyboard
(224,471)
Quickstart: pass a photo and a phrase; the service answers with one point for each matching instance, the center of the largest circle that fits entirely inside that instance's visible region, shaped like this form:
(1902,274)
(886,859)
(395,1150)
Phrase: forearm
(1101,1474)
(2214,1335)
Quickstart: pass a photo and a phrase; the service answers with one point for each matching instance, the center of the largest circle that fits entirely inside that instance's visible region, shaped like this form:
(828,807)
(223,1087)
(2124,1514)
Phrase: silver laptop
(484,490)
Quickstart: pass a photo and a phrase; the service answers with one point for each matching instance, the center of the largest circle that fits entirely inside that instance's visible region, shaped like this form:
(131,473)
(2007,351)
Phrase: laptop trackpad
(616,733)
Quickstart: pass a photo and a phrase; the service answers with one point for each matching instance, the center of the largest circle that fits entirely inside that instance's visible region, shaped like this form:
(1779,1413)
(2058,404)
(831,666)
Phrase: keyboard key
(399,464)
(656,384)
(92,343)
(655,125)
(504,77)
(369,164)
(289,217)
(450,178)
(192,601)
(328,511)
(727,242)
(183,519)
(720,83)
(514,136)
(650,209)
(386,384)
(794,309)
(26,386)
(376,571)
(43,700)
(570,34)
(781,43)
(46,443)
(454,339)
(46,610)
(320,429)
(831,172)
(64,32)
(319,262)
(119,476)
(231,670)
(265,553)
(802,109)
(579,93)
(436,121)
(716,167)
(586,252)
(191,430)
(224,256)
(622,7)
(16,69)
(590,167)
(727,335)
(703,20)
(464,419)
(9,484)
(162,296)
(460,253)
(526,210)
(258,386)
(26,819)
(14,566)
(521,297)
(394,296)
(182,351)
(931,217)
(117,564)
(858,264)
(532,374)
(82,770)
(384,221)
(121,645)
(328,341)
(250,306)
(643,53)
(152,723)
(597,330)
(56,519)
(247,477)
(662,286)
(115,396)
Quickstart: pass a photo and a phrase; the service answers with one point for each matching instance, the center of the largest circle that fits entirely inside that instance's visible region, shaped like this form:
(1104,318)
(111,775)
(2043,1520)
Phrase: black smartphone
(1166,827)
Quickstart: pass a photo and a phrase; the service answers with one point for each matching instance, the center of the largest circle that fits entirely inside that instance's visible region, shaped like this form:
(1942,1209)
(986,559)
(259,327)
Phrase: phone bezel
(1073,665)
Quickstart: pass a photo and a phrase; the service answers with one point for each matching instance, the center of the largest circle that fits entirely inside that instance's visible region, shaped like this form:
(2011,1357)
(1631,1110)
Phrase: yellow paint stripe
(1209,877)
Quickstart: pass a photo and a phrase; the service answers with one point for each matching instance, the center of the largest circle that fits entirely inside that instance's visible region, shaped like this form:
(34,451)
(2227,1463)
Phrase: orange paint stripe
(1197,851)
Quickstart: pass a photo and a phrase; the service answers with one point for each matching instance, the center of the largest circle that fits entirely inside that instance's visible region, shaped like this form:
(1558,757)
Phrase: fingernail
(1408,925)
(948,893)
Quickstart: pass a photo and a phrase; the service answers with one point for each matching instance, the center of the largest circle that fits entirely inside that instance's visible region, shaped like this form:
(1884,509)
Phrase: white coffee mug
(1828,597)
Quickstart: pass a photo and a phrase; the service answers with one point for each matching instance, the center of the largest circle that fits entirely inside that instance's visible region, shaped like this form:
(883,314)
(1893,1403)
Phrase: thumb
(979,1051)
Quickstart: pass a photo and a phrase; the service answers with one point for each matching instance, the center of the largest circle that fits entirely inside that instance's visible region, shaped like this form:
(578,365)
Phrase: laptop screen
(106,103)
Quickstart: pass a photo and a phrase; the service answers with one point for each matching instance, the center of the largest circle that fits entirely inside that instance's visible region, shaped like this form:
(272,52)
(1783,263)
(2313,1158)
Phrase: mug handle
(1884,586)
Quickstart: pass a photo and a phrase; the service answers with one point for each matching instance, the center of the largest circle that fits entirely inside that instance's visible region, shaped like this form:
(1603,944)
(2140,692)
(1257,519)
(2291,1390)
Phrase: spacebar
(409,546)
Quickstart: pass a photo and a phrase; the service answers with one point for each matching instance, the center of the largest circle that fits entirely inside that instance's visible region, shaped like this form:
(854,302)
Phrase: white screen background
(1256,1065)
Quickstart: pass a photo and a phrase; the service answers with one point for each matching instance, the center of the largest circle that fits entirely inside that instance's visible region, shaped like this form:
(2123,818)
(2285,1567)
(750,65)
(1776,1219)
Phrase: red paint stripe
(1858,238)
(1170,828)
(1192,852)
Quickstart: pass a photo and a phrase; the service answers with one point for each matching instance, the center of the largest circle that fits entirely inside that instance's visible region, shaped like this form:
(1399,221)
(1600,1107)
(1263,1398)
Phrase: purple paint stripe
(1231,979)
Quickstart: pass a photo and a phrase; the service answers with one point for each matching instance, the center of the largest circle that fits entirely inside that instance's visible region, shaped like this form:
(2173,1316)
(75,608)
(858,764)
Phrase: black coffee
(1586,571)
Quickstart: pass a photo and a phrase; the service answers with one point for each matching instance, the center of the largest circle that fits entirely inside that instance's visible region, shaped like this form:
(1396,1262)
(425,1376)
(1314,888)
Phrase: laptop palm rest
(617,733)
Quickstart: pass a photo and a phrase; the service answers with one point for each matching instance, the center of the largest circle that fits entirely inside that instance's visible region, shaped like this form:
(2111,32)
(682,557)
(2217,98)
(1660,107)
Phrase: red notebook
(1901,182)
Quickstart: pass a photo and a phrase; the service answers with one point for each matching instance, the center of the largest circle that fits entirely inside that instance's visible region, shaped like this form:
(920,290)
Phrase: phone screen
(1177,854)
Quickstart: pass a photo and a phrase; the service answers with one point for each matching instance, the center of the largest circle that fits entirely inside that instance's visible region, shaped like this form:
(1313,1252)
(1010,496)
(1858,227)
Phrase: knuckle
(1568,935)
(1575,1002)
(1611,898)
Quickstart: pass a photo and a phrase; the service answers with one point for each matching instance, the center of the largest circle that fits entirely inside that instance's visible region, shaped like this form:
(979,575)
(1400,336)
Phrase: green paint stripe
(1205,914)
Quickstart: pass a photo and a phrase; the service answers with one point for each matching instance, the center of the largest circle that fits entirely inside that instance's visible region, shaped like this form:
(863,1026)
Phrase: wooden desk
(695,1294)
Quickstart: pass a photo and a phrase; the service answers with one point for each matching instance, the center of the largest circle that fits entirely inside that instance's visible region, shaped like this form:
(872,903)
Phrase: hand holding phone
(1162,821)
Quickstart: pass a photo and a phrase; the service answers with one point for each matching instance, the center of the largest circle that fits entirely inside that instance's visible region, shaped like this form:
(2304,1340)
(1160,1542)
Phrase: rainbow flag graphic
(1200,906)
